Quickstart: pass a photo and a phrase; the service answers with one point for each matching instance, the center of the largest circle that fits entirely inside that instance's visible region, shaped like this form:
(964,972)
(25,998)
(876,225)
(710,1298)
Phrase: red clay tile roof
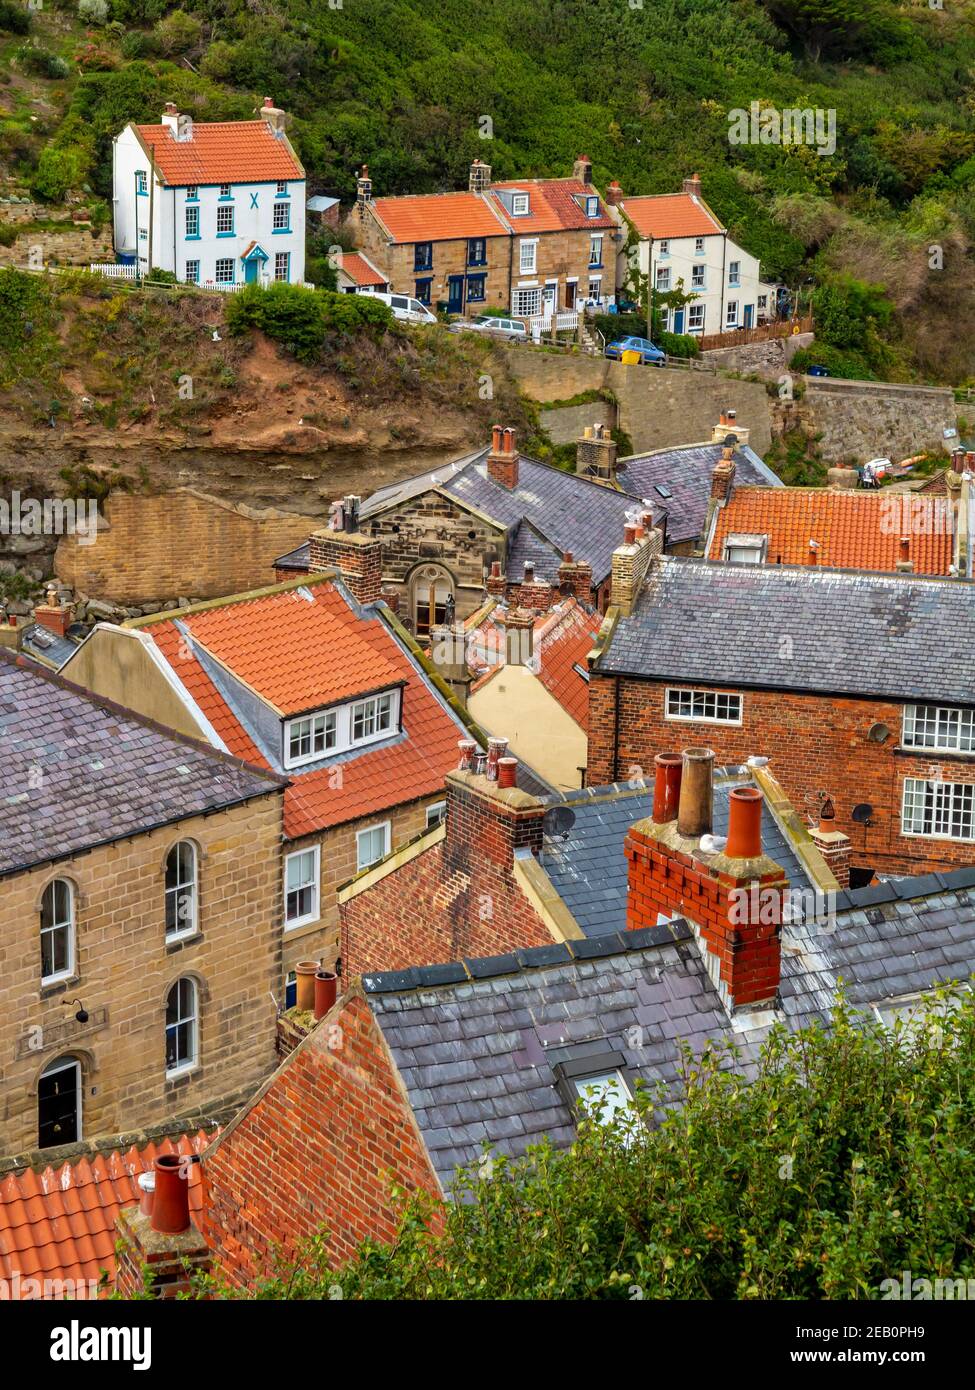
(221,152)
(671,215)
(553,208)
(284,644)
(854,530)
(60,1223)
(438,217)
(361,270)
(563,639)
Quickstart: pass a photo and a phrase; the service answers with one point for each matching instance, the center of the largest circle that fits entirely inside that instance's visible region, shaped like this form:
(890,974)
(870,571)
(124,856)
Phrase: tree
(846,1160)
(870,28)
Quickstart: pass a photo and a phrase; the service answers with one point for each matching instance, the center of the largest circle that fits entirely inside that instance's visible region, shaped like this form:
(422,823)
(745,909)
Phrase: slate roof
(476,1042)
(80,771)
(588,866)
(60,1223)
(671,215)
(221,152)
(853,529)
(571,512)
(47,647)
(686,474)
(874,635)
(285,644)
(298,559)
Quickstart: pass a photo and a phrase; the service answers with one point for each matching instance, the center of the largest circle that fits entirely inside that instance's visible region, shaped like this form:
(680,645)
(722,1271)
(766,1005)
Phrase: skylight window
(593,1077)
(663,489)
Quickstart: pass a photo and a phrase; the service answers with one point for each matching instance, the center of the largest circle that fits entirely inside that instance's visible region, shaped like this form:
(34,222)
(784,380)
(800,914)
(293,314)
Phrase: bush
(14,18)
(847,310)
(302,319)
(845,1161)
(320,271)
(40,62)
(678,344)
(93,11)
(848,366)
(178,32)
(8,234)
(57,171)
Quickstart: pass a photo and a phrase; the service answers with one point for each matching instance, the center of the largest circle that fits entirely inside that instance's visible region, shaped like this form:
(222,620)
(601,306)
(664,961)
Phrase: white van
(404,307)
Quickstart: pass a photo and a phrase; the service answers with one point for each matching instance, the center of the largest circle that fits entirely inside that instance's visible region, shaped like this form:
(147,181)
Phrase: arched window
(182,1027)
(57,931)
(433,599)
(59,1103)
(181,890)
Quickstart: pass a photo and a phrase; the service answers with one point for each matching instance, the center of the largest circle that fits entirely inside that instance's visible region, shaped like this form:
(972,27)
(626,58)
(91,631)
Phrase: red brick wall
(815,744)
(318,1147)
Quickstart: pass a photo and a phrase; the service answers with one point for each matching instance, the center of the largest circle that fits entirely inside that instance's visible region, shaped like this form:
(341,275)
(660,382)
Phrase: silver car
(513,329)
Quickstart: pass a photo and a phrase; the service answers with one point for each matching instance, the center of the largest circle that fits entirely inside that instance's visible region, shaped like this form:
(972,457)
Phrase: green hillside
(643,86)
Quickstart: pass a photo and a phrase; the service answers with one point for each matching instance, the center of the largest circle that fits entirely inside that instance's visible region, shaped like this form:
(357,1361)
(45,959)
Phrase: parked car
(403,307)
(817,370)
(513,329)
(650,355)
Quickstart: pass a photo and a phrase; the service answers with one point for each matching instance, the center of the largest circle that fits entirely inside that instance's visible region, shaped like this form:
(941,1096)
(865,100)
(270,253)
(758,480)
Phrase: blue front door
(455,294)
(250,272)
(749,314)
(678,320)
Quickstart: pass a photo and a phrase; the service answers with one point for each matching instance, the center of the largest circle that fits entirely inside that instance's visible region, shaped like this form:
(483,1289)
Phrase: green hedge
(302,319)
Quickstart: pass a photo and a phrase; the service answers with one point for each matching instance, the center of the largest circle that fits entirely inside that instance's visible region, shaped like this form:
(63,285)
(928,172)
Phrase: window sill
(221,235)
(304,929)
(280,231)
(173,1078)
(50,988)
(192,236)
(926,754)
(176,943)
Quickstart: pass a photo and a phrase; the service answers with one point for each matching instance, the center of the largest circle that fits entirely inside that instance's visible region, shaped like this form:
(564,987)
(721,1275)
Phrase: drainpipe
(724,254)
(152,195)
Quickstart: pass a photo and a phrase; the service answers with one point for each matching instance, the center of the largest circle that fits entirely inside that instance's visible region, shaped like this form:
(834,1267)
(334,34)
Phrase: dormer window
(592,207)
(745,550)
(309,738)
(316,735)
(372,717)
(519,205)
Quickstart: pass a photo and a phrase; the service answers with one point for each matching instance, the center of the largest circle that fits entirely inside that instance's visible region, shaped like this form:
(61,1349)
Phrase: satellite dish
(558,822)
(862,813)
(878,733)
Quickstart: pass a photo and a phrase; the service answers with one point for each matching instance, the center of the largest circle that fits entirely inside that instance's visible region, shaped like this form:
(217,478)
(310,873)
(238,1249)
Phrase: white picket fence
(113,271)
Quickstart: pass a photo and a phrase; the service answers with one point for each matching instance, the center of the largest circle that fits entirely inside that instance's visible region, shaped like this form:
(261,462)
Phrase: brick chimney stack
(575,578)
(728,425)
(519,636)
(734,897)
(723,477)
(357,557)
(363,189)
(631,562)
(834,845)
(596,454)
(613,195)
(904,561)
(53,614)
(693,186)
(497,584)
(502,461)
(488,821)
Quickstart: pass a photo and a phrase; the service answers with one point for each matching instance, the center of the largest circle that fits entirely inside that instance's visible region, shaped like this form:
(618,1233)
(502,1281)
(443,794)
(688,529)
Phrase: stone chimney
(731,893)
(363,189)
(582,169)
(575,578)
(170,118)
(613,195)
(277,120)
(479,179)
(596,454)
(519,636)
(723,477)
(692,186)
(728,425)
(357,557)
(631,561)
(502,461)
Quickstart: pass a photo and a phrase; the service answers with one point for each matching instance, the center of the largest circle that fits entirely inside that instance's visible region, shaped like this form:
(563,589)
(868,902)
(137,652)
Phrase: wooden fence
(738,337)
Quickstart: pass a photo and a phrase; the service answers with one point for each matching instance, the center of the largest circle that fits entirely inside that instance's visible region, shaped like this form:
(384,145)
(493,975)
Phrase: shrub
(848,366)
(40,62)
(14,18)
(57,171)
(8,234)
(678,344)
(93,11)
(301,319)
(320,271)
(178,32)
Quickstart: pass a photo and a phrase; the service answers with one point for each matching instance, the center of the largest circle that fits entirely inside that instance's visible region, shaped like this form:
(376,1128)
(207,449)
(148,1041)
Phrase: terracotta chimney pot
(666,787)
(744,823)
(696,789)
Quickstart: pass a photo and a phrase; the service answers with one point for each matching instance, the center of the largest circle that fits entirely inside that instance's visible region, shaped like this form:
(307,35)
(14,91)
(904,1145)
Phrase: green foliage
(93,11)
(847,1160)
(8,233)
(846,311)
(613,326)
(848,366)
(302,319)
(835,28)
(678,344)
(27,338)
(14,18)
(178,33)
(40,62)
(57,171)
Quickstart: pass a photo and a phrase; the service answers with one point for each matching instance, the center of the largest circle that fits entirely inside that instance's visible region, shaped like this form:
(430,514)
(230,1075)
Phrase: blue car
(648,353)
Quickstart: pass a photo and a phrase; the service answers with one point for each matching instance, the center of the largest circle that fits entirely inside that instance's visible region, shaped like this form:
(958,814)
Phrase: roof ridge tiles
(472,969)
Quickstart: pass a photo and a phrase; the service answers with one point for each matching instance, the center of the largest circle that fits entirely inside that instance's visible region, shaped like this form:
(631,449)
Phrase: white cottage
(681,239)
(220,203)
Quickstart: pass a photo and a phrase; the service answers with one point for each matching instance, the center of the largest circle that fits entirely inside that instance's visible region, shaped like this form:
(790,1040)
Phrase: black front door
(57,1106)
(455,294)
